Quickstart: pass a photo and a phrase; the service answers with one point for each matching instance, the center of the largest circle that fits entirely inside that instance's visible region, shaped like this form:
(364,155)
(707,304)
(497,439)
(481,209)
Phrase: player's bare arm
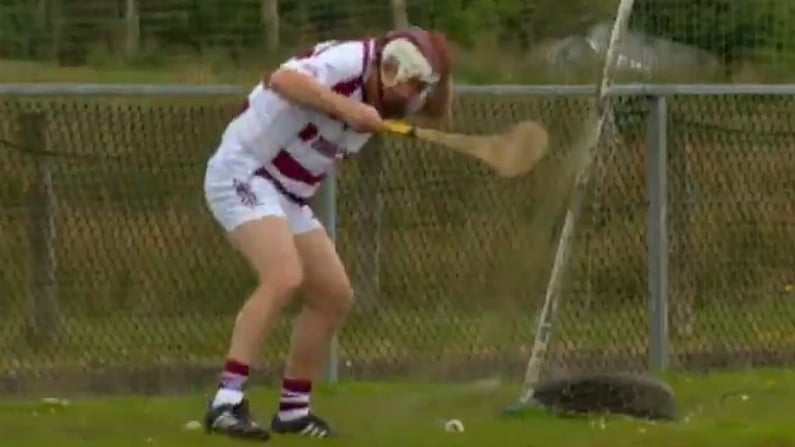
(305,90)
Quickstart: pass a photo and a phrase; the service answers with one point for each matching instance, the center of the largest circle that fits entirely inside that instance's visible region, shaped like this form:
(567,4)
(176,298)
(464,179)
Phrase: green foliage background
(79,32)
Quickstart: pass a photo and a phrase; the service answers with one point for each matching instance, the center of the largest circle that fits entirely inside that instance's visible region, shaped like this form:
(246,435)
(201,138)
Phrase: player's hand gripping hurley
(514,152)
(588,146)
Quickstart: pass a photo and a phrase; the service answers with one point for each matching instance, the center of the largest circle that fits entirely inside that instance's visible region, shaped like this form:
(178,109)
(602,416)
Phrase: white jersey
(291,145)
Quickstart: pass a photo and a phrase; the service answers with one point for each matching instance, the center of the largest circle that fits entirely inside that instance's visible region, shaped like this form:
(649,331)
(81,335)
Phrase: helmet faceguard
(419,56)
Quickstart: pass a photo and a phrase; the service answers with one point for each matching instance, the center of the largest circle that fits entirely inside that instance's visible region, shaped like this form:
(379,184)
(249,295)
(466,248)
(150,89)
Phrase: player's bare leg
(329,298)
(267,244)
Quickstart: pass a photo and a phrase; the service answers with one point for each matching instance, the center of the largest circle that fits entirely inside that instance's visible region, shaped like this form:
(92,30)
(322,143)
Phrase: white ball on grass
(193,425)
(454,426)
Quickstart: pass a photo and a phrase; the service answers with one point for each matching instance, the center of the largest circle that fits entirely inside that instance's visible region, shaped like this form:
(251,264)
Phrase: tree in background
(737,31)
(68,31)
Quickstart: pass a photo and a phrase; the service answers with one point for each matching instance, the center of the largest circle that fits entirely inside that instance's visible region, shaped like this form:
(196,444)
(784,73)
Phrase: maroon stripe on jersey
(261,172)
(365,63)
(309,132)
(321,146)
(347,87)
(365,58)
(292,169)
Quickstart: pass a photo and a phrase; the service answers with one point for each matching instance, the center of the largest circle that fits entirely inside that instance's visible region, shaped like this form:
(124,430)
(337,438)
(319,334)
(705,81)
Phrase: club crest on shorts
(245,193)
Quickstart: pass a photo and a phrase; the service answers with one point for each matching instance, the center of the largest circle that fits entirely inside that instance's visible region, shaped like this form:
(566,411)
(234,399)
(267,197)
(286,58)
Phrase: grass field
(479,66)
(746,409)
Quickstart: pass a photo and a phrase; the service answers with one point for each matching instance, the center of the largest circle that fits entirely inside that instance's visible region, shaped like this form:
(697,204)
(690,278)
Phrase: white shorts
(235,197)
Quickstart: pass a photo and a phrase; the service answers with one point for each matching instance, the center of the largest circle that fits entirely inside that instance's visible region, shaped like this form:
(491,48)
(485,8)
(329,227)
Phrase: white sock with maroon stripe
(294,401)
(232,384)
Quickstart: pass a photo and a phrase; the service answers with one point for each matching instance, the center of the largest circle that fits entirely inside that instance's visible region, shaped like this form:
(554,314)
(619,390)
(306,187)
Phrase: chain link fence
(731,246)
(115,276)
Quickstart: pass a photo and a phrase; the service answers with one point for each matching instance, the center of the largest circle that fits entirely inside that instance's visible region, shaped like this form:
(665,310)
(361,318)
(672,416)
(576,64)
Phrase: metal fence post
(44,317)
(657,231)
(327,214)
